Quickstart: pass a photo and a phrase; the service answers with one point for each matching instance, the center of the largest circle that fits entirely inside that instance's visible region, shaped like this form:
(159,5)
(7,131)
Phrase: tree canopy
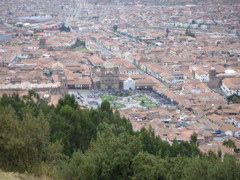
(66,142)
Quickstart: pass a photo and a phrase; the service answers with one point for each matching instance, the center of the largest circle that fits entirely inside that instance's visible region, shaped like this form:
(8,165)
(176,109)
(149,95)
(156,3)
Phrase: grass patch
(141,98)
(122,94)
(148,104)
(118,105)
(109,98)
(82,49)
(151,106)
(144,101)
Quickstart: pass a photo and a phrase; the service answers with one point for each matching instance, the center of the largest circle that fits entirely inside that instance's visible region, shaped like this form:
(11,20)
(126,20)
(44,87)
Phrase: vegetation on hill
(229,143)
(66,142)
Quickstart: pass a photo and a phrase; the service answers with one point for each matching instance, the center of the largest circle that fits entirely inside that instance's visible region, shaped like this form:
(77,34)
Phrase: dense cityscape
(169,66)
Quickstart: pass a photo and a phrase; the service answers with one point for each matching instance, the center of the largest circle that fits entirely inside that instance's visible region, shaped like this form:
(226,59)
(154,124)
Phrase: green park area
(122,94)
(150,105)
(118,105)
(112,99)
(146,102)
(141,98)
(143,101)
(82,49)
(109,98)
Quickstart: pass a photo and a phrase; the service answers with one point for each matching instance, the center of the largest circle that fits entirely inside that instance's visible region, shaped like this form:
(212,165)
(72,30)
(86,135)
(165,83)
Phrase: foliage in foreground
(66,142)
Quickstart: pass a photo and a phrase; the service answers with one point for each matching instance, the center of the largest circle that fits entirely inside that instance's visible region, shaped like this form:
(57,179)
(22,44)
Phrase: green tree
(234,98)
(189,33)
(193,140)
(24,142)
(229,143)
(111,157)
(147,166)
(115,28)
(153,144)
(99,144)
(105,106)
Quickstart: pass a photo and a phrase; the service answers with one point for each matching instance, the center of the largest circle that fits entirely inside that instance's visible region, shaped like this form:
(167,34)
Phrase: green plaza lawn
(143,101)
(112,99)
(109,98)
(141,98)
(118,105)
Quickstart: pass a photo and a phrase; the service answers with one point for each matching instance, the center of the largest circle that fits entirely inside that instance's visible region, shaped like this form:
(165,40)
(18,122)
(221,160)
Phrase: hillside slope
(18,176)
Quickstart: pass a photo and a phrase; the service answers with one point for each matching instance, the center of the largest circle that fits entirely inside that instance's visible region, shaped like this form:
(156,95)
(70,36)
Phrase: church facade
(106,77)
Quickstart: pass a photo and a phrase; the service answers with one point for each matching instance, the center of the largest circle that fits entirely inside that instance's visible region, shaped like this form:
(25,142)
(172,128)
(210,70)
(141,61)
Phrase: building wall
(144,87)
(79,86)
(237,134)
(228,92)
(214,82)
(129,84)
(202,77)
(108,78)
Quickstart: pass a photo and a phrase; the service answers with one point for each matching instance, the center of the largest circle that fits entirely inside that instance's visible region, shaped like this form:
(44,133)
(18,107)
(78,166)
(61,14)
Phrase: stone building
(59,76)
(42,43)
(231,86)
(106,77)
(63,83)
(215,79)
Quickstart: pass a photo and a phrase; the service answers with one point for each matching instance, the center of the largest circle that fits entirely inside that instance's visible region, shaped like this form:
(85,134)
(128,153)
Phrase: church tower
(63,83)
(212,72)
(42,43)
(214,81)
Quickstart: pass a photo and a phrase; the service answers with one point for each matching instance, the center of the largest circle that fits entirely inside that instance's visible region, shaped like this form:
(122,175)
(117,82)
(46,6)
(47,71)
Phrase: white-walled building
(201,75)
(129,84)
(231,86)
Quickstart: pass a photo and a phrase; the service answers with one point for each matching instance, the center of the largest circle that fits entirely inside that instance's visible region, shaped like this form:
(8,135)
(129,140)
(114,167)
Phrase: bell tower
(42,43)
(212,73)
(63,83)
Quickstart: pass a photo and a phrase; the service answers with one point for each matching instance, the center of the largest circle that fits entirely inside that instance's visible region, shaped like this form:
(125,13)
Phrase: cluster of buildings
(148,49)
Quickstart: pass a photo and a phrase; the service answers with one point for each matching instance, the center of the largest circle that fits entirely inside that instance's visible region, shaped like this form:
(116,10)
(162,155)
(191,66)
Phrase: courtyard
(120,99)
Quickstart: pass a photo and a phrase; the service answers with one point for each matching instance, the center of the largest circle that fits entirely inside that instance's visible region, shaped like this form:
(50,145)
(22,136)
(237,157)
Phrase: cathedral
(106,77)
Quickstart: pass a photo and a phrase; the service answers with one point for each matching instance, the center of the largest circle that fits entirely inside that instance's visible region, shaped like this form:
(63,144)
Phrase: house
(231,86)
(82,83)
(200,74)
(145,84)
(230,130)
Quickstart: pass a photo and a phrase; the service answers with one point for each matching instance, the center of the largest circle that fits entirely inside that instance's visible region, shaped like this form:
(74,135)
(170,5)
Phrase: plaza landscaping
(119,100)
(112,99)
(109,98)
(118,105)
(146,102)
(141,98)
(150,105)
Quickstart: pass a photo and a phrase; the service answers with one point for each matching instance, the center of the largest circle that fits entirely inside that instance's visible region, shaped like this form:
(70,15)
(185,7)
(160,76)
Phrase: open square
(120,99)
